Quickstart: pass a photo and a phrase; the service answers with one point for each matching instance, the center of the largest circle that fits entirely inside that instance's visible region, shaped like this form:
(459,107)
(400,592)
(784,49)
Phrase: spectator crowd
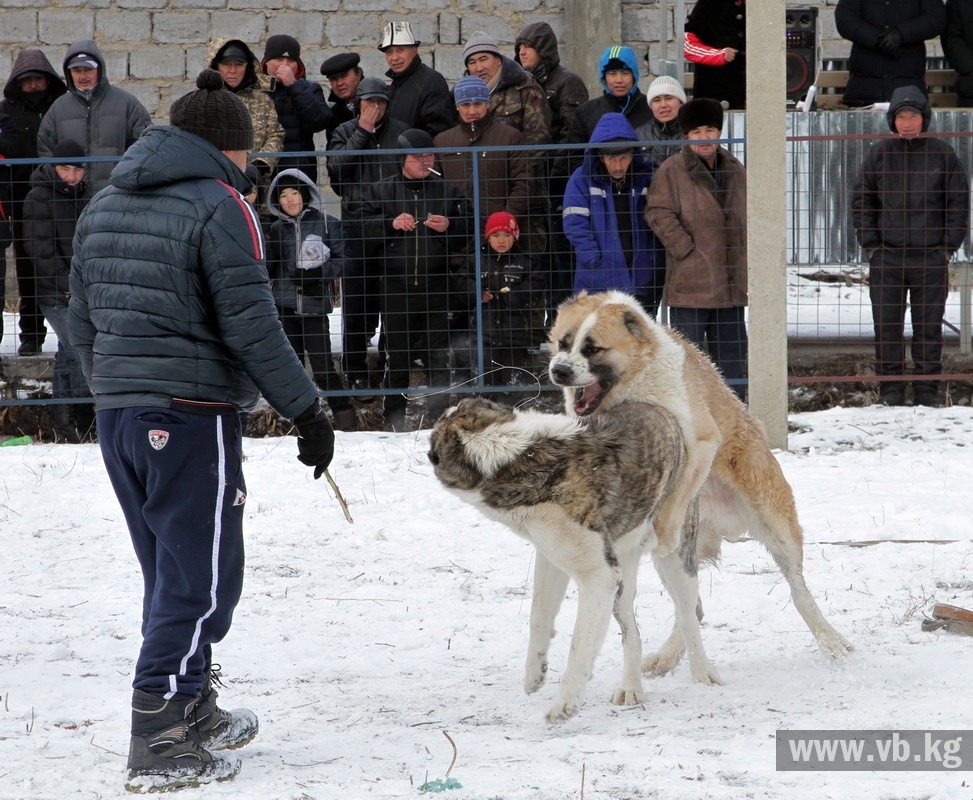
(465,213)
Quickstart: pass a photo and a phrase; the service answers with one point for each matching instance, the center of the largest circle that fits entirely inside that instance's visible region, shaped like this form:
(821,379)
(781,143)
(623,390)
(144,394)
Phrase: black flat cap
(340,64)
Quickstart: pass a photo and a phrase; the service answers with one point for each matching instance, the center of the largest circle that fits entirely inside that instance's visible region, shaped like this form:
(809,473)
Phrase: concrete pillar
(766,215)
(590,26)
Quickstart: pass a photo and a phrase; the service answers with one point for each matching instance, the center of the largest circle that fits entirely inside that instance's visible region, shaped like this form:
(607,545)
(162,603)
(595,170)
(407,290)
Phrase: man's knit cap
(214,114)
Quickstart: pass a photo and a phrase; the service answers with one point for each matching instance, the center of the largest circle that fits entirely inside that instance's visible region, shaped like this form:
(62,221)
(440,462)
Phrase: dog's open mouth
(588,398)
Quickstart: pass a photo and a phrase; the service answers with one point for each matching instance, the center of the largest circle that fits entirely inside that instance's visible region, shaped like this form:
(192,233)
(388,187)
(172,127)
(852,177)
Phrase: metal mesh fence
(427,306)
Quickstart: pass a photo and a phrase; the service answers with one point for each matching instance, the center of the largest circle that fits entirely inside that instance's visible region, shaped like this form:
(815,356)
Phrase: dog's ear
(635,325)
(448,457)
(476,413)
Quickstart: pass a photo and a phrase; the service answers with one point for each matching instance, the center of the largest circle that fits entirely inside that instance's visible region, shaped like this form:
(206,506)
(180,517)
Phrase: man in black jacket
(420,95)
(421,220)
(32,87)
(888,45)
(300,104)
(957,41)
(356,161)
(172,314)
(343,74)
(911,209)
(56,199)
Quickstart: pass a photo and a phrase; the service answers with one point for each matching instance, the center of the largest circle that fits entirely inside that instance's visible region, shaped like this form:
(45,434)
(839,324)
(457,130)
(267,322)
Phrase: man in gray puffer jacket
(104,119)
(177,331)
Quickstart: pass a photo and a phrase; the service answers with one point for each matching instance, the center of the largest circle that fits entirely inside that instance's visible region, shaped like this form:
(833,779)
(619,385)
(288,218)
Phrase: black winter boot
(86,421)
(926,394)
(165,753)
(64,430)
(217,729)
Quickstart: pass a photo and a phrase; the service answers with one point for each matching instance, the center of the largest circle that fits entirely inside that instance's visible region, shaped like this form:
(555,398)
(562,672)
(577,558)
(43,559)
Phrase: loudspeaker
(801,29)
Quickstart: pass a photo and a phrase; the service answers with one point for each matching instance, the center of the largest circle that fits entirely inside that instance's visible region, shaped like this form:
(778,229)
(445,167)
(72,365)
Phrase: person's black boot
(86,421)
(165,753)
(64,430)
(218,729)
(891,394)
(926,394)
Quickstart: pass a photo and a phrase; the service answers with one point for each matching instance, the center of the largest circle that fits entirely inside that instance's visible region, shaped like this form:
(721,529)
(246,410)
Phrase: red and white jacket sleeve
(697,52)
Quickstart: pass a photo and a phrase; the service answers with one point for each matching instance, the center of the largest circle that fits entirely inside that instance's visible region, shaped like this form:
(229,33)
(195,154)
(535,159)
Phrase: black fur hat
(697,113)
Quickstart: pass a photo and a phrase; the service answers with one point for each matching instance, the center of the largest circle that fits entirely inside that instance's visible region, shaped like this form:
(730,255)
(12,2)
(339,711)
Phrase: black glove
(315,438)
(889,43)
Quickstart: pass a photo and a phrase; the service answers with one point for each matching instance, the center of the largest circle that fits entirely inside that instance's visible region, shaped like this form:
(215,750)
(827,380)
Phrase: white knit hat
(665,84)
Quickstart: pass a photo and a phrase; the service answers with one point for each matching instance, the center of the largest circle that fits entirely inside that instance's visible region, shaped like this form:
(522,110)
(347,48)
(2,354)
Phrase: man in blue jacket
(604,217)
(173,318)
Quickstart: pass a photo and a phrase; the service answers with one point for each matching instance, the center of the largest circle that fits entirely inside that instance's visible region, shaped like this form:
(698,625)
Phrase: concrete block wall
(155,48)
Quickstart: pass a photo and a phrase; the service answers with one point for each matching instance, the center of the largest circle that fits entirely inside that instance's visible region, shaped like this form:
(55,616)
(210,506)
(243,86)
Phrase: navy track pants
(178,477)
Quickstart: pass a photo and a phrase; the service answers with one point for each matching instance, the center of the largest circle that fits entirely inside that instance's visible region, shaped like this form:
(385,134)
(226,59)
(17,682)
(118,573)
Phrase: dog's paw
(835,646)
(534,676)
(562,711)
(706,674)
(631,696)
(659,664)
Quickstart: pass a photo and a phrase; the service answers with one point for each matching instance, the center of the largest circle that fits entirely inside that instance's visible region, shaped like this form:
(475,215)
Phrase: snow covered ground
(360,645)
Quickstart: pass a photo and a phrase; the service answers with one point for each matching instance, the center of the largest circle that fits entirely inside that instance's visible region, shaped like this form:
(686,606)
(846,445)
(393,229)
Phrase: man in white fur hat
(420,95)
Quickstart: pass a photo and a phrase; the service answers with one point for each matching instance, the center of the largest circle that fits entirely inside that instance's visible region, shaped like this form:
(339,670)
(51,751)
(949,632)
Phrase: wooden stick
(341,500)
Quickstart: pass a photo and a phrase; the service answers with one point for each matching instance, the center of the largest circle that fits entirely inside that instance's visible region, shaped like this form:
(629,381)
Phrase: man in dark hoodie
(911,209)
(536,51)
(32,87)
(301,109)
(104,119)
(9,148)
(173,317)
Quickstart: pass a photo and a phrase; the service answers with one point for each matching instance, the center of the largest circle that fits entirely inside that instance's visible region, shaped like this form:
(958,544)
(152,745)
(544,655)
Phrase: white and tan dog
(606,352)
(584,493)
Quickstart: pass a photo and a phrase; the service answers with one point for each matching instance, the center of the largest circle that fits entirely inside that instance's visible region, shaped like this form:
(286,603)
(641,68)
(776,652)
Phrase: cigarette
(434,172)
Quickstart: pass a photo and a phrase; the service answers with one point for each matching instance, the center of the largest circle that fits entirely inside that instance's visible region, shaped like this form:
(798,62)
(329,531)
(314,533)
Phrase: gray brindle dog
(585,493)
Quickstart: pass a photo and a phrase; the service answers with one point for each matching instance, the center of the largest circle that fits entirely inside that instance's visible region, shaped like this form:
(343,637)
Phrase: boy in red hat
(511,292)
